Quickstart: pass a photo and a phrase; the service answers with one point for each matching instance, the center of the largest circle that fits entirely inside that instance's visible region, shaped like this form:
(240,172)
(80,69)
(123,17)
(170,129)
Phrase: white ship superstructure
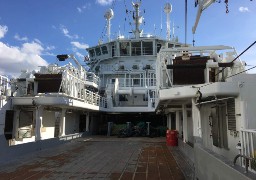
(209,99)
(4,89)
(126,68)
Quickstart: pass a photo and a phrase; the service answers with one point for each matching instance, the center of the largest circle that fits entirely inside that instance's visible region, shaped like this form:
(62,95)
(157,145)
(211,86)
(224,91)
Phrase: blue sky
(33,32)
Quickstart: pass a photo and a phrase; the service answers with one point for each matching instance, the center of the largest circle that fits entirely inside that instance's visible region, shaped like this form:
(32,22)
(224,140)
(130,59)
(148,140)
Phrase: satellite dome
(167,8)
(109,14)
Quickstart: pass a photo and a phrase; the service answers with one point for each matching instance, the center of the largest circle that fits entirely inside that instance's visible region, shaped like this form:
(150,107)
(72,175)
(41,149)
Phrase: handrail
(140,82)
(74,87)
(247,159)
(248,137)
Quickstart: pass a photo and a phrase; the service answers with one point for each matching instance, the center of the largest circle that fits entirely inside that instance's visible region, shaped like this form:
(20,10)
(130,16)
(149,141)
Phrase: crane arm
(202,5)
(63,57)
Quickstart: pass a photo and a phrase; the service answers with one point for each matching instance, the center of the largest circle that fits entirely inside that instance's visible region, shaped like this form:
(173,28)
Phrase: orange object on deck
(172,137)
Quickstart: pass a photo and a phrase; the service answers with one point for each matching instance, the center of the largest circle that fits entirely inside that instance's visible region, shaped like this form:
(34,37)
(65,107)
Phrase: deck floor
(98,158)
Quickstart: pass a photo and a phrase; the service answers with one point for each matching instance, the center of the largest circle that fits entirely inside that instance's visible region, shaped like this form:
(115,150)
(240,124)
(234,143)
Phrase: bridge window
(136,48)
(124,49)
(104,50)
(98,52)
(170,45)
(91,52)
(147,48)
(113,51)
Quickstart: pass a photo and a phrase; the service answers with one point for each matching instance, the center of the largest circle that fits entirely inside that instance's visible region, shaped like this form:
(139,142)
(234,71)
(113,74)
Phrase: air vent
(231,114)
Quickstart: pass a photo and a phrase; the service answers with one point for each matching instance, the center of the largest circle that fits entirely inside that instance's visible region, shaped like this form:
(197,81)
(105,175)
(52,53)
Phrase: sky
(33,32)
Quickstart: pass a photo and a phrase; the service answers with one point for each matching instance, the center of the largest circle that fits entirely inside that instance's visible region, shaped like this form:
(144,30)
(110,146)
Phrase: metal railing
(74,87)
(91,77)
(106,67)
(3,84)
(248,150)
(135,82)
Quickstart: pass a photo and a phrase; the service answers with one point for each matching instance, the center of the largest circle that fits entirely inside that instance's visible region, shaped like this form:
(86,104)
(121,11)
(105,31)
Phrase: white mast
(108,16)
(167,10)
(137,19)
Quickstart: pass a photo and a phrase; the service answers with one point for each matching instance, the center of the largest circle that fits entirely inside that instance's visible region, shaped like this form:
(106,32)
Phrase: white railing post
(247,145)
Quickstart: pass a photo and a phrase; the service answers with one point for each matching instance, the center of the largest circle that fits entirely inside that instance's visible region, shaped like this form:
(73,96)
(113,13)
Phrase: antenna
(173,30)
(137,19)
(168,10)
(161,26)
(108,16)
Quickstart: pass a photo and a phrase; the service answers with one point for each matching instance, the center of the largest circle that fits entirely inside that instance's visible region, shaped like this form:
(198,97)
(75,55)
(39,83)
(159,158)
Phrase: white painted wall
(6,106)
(229,153)
(47,130)
(24,140)
(248,97)
(206,131)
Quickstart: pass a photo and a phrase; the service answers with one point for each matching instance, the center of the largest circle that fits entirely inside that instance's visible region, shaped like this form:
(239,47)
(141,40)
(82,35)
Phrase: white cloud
(79,45)
(82,8)
(243,9)
(38,41)
(79,9)
(49,48)
(3,31)
(104,2)
(66,33)
(17,37)
(14,59)
(32,48)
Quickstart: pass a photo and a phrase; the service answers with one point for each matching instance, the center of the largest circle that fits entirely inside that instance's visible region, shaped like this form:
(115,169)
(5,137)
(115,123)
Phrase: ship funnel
(109,14)
(168,10)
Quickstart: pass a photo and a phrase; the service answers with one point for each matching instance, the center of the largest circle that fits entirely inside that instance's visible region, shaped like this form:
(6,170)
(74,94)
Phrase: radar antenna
(168,10)
(137,19)
(108,16)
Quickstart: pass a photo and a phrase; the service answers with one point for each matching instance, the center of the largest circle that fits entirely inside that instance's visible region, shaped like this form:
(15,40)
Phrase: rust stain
(154,162)
(38,170)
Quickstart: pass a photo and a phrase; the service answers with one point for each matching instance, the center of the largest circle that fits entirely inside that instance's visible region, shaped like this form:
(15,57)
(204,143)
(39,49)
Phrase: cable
(241,72)
(186,19)
(237,57)
(232,61)
(128,14)
(226,77)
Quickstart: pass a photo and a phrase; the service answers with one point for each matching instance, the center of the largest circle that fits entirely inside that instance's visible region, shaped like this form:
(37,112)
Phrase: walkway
(98,158)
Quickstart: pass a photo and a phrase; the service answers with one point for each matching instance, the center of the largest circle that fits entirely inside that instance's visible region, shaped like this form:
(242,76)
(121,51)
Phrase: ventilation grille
(231,114)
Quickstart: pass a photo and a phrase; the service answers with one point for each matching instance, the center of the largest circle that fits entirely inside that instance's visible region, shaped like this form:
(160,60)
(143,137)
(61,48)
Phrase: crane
(202,5)
(63,57)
